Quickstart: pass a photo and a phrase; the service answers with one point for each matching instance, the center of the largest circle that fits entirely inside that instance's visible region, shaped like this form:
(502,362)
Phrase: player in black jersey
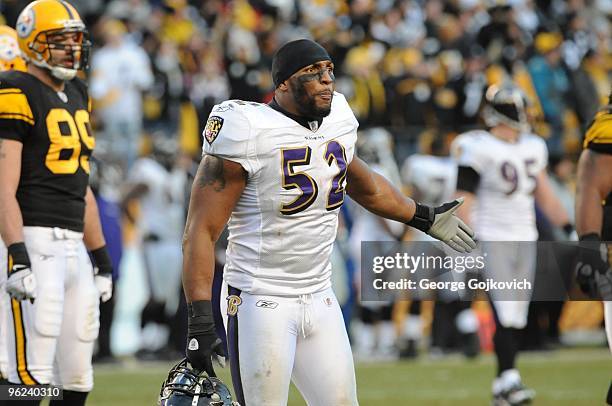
(48,214)
(594,215)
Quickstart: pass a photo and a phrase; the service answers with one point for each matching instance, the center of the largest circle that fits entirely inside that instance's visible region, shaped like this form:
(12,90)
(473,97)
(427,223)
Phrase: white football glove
(103,272)
(21,283)
(442,224)
(104,284)
(450,229)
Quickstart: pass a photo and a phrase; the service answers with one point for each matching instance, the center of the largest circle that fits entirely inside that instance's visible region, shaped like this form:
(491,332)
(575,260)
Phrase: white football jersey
(504,209)
(435,177)
(283,227)
(162,207)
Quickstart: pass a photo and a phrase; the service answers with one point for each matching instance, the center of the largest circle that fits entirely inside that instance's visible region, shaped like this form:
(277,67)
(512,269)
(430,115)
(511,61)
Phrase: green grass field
(565,377)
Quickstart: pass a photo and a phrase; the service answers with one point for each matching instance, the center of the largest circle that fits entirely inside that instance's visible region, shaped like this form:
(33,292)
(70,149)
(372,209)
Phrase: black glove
(593,272)
(202,340)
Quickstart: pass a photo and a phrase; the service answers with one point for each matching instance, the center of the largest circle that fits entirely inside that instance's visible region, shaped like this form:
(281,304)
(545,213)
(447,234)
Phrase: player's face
(65,48)
(312,88)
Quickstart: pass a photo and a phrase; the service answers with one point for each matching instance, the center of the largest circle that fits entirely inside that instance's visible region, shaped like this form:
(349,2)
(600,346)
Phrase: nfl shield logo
(213,126)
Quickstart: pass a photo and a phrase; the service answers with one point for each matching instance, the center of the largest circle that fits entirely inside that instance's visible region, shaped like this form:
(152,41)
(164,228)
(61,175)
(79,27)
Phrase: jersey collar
(310,123)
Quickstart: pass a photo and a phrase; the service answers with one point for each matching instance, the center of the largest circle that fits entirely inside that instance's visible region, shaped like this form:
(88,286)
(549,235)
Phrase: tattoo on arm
(210,173)
(2,154)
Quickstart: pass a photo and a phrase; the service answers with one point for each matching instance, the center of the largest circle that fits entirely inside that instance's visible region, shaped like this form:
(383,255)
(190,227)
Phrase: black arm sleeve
(467,179)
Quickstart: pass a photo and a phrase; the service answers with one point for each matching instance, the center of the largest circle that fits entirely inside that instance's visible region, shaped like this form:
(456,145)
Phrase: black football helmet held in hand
(186,386)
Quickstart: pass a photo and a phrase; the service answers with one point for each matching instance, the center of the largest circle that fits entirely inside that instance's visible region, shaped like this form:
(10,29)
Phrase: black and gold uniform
(57,142)
(598,138)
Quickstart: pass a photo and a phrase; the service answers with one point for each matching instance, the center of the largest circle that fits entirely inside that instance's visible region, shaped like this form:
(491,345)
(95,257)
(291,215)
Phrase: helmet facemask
(188,386)
(66,69)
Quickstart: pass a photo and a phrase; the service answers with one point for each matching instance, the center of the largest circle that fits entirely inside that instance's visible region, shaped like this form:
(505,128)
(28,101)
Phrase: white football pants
(275,339)
(505,261)
(164,261)
(51,341)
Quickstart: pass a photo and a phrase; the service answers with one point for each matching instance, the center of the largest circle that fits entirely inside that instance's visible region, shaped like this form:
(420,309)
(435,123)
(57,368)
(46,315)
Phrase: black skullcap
(295,55)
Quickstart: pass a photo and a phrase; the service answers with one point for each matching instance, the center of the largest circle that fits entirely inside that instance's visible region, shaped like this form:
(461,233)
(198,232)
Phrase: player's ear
(283,86)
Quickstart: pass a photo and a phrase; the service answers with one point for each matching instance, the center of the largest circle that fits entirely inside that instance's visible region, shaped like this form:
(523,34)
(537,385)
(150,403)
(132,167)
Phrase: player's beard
(306,104)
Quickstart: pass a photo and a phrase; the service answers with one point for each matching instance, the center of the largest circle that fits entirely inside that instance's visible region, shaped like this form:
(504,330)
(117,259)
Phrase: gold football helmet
(38,26)
(10,56)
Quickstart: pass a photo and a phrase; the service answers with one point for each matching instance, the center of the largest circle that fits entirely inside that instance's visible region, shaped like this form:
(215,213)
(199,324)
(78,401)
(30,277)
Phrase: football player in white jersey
(432,179)
(500,173)
(278,173)
(375,335)
(158,183)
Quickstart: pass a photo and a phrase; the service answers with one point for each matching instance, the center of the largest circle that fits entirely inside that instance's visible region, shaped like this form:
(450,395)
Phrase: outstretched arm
(379,196)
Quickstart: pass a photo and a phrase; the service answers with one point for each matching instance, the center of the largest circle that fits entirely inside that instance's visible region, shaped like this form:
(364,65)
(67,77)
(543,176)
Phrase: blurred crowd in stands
(415,70)
(408,65)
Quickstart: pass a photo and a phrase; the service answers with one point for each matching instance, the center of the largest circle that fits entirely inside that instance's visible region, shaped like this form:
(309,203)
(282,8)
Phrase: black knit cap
(295,55)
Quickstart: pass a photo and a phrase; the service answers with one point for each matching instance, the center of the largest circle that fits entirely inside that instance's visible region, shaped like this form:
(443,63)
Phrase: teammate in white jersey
(279,173)
(374,336)
(159,185)
(432,179)
(501,171)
